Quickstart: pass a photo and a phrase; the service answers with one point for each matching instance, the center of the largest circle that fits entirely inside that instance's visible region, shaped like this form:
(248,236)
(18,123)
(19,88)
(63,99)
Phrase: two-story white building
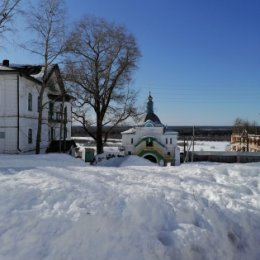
(151,139)
(19,91)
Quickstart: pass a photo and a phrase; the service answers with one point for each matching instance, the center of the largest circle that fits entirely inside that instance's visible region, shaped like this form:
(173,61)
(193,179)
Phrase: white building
(151,140)
(19,91)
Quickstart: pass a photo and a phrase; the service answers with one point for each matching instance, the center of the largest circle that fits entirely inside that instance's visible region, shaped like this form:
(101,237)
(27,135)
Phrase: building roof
(35,71)
(4,68)
(129,131)
(150,115)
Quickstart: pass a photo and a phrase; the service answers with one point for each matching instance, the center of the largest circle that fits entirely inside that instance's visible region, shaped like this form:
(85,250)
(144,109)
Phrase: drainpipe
(18,114)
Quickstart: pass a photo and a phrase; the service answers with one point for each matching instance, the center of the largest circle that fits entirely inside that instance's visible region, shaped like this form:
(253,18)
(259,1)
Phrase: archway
(151,158)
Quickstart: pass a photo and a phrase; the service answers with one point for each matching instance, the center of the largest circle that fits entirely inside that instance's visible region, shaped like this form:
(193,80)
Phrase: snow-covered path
(55,207)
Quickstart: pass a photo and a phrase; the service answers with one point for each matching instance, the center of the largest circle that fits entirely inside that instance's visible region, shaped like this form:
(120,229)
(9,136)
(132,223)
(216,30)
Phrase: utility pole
(193,135)
(184,149)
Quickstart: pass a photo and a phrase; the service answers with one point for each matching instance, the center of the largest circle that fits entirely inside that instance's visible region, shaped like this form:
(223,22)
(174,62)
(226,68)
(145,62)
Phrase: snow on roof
(36,71)
(129,131)
(6,68)
(39,76)
(170,132)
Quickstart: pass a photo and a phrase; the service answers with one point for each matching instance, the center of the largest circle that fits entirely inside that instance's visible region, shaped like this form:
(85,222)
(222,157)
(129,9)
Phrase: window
(170,140)
(65,132)
(51,85)
(2,135)
(51,107)
(51,110)
(149,125)
(29,102)
(169,153)
(29,136)
(129,153)
(38,104)
(65,114)
(52,133)
(149,142)
(132,140)
(166,141)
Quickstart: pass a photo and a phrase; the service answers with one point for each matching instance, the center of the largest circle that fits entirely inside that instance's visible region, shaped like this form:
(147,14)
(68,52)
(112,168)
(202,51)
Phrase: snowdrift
(56,207)
(125,161)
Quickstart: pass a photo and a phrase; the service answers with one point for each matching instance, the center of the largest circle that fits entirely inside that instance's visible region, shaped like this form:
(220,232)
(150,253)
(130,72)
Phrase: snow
(213,146)
(126,162)
(57,207)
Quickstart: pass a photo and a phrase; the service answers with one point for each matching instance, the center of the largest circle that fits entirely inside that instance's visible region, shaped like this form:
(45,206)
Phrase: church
(151,140)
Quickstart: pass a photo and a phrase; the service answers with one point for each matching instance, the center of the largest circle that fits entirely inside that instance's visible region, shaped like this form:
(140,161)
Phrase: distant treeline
(210,133)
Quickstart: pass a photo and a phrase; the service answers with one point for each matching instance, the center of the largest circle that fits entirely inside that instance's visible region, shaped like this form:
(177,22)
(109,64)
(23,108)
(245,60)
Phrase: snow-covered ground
(212,146)
(55,207)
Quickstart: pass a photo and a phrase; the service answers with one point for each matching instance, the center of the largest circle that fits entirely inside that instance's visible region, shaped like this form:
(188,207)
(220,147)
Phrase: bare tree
(7,11)
(240,125)
(103,57)
(47,21)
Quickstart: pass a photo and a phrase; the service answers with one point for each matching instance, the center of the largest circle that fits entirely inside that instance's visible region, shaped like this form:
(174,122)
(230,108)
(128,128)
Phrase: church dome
(150,115)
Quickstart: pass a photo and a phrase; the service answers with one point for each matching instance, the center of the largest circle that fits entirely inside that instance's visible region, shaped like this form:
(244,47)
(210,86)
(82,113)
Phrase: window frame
(30,101)
(30,139)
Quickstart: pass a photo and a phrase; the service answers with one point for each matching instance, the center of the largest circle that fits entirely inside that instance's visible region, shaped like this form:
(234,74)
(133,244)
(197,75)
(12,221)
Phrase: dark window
(166,141)
(65,114)
(51,106)
(51,110)
(129,153)
(132,140)
(169,153)
(52,133)
(65,132)
(30,102)
(38,104)
(51,85)
(29,136)
(149,142)
(170,140)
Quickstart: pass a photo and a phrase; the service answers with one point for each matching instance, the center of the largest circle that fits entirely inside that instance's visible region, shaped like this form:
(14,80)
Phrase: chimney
(6,63)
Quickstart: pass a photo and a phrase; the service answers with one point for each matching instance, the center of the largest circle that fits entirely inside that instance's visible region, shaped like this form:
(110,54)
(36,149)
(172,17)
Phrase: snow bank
(60,211)
(29,161)
(125,161)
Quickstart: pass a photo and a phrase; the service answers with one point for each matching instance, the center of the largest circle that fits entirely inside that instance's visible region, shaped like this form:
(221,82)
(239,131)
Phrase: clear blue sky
(200,58)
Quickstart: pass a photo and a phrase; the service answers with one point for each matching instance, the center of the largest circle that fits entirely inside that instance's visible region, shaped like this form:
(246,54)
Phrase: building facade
(151,140)
(245,142)
(19,91)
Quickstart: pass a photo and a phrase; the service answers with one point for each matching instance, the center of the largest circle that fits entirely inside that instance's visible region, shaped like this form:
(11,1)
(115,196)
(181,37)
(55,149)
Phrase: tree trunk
(99,137)
(39,132)
(39,128)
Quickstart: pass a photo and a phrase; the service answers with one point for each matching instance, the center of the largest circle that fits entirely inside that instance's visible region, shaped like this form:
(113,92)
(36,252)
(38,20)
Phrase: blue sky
(200,58)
